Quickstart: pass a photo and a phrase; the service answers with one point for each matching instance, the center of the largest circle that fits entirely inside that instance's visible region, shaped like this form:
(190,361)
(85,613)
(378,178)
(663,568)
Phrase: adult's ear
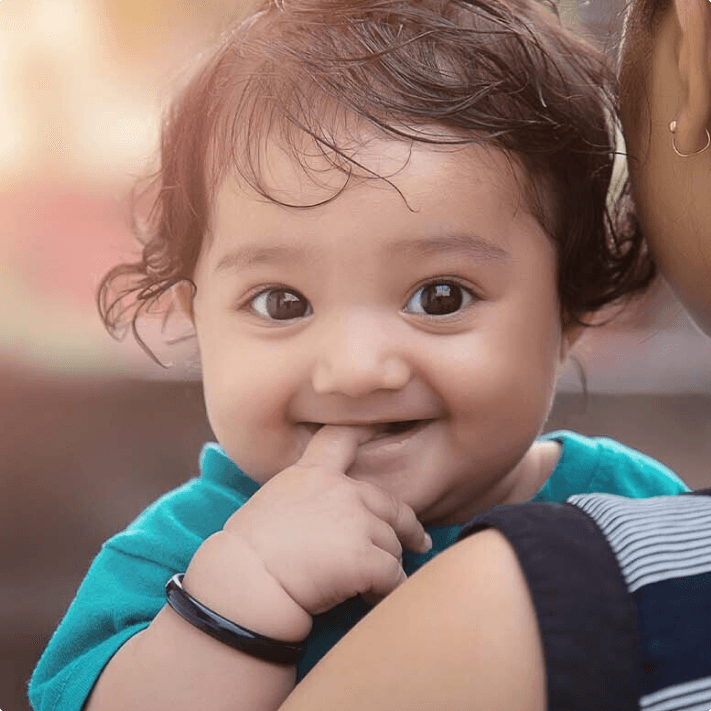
(694,115)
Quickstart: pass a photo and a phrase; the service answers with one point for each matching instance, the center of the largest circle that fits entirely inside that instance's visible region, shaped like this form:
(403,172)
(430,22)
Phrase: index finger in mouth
(335,446)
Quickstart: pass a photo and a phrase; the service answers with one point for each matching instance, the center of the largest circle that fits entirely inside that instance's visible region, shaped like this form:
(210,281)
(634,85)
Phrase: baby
(388,223)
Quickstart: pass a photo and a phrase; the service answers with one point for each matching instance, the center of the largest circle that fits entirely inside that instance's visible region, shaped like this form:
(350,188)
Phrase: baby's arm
(309,539)
(175,666)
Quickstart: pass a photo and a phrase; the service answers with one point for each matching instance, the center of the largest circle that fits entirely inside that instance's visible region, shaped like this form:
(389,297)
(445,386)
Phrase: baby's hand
(324,536)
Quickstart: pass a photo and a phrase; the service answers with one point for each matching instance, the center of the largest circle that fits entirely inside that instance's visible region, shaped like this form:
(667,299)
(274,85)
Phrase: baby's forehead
(310,173)
(413,172)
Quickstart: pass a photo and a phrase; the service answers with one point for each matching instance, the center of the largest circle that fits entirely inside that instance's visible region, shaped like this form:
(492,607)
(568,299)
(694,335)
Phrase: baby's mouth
(381,430)
(393,429)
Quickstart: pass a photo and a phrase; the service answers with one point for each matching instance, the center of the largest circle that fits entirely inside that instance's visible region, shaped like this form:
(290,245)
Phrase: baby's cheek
(256,437)
(509,392)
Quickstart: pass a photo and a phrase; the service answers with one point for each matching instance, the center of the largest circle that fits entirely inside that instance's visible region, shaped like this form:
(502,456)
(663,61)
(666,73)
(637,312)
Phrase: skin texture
(323,310)
(365,352)
(475,644)
(673,194)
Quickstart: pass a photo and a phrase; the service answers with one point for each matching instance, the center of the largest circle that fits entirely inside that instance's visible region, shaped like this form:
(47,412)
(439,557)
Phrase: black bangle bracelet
(225,631)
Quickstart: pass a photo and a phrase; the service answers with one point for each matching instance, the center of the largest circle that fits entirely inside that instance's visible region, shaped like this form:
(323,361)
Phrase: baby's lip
(380,428)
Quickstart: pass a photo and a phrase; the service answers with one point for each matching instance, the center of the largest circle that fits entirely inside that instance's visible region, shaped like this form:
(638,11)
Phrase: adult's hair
(312,74)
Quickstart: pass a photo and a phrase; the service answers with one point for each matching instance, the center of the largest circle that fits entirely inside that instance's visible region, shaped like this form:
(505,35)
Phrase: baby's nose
(357,357)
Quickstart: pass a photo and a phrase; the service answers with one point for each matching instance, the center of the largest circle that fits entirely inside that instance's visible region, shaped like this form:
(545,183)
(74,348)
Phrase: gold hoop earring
(672,128)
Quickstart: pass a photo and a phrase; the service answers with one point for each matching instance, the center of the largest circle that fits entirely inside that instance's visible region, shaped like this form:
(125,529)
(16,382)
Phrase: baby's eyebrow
(249,256)
(466,246)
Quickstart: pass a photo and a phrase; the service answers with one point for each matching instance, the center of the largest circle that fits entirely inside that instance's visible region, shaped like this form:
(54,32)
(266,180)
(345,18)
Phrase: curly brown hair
(499,72)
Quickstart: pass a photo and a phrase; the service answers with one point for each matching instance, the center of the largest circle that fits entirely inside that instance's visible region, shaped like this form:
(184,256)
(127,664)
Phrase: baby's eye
(280,304)
(439,298)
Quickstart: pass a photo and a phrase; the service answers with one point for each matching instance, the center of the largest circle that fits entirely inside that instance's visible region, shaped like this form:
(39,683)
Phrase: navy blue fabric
(675,632)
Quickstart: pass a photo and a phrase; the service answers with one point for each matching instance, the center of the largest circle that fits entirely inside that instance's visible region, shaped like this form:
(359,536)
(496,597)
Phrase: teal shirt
(124,588)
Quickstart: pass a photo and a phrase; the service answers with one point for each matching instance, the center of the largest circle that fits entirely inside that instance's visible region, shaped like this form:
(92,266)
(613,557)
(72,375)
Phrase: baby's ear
(694,65)
(183,293)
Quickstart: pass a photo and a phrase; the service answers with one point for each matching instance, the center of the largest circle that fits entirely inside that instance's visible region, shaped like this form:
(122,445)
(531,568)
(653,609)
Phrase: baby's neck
(534,470)
(520,485)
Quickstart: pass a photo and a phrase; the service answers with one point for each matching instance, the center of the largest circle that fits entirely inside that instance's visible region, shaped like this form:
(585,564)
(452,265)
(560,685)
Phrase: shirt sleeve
(626,472)
(591,465)
(124,589)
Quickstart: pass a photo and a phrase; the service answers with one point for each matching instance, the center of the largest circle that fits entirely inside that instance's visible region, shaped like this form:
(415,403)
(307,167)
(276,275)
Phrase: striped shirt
(663,548)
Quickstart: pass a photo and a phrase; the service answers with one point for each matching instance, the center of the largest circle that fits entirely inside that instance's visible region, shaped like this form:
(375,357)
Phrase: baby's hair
(312,74)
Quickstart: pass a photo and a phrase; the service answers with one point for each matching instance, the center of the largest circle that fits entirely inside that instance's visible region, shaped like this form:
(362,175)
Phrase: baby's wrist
(229,578)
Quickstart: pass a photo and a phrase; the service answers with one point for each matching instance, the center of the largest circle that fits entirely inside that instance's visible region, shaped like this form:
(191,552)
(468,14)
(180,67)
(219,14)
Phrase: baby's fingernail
(427,545)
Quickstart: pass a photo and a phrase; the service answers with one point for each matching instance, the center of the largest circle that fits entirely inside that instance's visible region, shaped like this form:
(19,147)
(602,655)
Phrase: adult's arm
(460,634)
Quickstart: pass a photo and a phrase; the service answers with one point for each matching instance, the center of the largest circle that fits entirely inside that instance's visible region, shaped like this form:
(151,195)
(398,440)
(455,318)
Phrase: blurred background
(91,430)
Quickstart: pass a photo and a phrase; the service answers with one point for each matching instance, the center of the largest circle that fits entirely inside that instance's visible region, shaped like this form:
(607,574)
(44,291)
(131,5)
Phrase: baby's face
(436,320)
